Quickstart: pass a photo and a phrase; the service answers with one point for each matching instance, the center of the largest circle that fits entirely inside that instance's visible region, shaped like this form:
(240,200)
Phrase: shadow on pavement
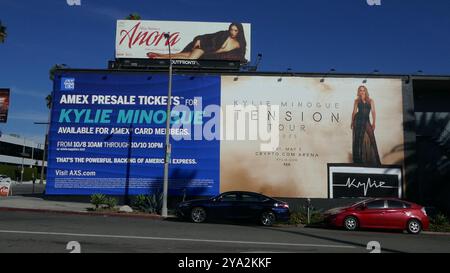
(326,237)
(215,221)
(252,224)
(325,227)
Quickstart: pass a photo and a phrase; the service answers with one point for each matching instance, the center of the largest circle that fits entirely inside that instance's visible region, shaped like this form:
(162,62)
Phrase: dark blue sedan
(235,205)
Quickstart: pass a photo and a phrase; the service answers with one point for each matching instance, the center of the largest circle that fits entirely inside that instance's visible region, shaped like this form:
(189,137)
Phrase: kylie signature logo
(352,183)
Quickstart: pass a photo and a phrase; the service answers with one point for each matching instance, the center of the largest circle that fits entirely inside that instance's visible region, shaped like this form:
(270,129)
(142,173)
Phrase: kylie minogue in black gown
(365,149)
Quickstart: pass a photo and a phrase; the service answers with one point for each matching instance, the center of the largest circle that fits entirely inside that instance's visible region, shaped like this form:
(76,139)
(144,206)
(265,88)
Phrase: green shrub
(148,203)
(140,202)
(10,171)
(300,217)
(439,219)
(98,199)
(317,217)
(156,202)
(439,223)
(111,202)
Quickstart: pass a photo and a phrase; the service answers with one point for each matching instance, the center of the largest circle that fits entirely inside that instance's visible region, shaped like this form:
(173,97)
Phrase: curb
(306,226)
(435,233)
(87,213)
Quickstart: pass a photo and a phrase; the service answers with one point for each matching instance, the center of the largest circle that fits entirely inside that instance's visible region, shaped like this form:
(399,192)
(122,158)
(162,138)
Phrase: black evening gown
(365,149)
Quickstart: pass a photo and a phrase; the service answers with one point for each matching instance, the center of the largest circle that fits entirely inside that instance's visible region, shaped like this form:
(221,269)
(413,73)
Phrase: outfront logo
(67,84)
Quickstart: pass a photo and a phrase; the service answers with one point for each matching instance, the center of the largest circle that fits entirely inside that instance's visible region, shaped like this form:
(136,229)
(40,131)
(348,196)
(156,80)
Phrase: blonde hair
(365,91)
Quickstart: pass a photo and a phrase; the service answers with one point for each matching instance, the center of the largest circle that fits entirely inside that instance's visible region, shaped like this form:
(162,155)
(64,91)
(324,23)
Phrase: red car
(385,213)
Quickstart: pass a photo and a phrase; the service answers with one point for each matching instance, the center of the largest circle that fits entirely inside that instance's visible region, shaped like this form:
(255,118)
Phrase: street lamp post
(168,147)
(23,155)
(41,181)
(45,148)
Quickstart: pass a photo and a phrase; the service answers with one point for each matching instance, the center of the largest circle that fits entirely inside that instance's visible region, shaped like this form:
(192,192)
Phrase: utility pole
(41,181)
(168,147)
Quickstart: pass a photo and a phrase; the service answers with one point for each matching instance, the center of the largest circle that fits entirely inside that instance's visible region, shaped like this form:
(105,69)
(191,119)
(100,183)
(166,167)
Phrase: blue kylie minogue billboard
(107,135)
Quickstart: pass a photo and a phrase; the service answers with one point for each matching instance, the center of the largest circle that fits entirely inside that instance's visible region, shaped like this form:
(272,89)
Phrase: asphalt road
(49,232)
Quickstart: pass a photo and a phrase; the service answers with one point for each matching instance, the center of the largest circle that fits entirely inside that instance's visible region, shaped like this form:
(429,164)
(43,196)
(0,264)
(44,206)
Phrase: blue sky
(305,35)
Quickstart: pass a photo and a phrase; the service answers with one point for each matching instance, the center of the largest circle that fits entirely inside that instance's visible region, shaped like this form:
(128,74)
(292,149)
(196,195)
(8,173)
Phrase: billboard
(4,105)
(107,134)
(187,40)
(5,189)
(315,129)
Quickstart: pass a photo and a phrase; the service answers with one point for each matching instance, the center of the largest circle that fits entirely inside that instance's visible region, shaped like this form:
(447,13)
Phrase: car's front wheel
(350,223)
(198,215)
(267,218)
(414,226)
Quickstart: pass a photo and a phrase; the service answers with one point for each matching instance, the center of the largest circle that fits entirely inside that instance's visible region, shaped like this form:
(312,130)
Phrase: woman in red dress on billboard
(223,45)
(365,149)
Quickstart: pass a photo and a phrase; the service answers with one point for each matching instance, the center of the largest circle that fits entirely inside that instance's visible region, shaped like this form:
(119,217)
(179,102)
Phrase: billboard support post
(41,181)
(167,147)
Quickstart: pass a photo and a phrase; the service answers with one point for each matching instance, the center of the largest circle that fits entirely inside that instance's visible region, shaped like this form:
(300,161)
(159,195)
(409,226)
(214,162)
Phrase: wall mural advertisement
(321,121)
(107,134)
(187,40)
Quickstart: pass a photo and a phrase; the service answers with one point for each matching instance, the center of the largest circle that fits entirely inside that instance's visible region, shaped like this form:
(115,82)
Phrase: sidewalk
(27,198)
(40,204)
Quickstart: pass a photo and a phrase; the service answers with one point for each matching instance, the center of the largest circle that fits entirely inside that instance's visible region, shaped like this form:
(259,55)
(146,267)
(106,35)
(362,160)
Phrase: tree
(133,16)
(48,101)
(427,159)
(52,70)
(3,33)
